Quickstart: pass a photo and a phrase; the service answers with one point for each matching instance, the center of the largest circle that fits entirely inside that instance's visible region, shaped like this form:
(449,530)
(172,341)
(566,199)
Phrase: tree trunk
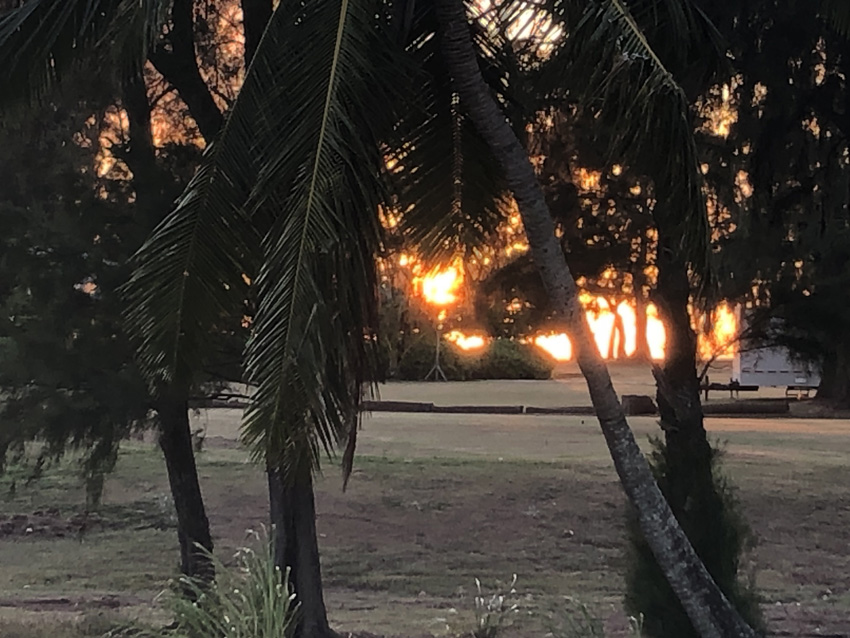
(255,17)
(175,437)
(193,528)
(687,478)
(706,606)
(618,333)
(835,377)
(179,66)
(688,452)
(293,517)
(642,351)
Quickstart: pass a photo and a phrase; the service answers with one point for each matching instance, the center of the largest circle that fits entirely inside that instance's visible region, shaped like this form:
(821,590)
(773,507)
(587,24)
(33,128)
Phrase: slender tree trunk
(642,351)
(293,517)
(193,528)
(617,346)
(172,407)
(706,606)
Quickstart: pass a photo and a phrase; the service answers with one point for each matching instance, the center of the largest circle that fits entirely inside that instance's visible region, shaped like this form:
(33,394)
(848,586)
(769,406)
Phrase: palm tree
(287,198)
(708,609)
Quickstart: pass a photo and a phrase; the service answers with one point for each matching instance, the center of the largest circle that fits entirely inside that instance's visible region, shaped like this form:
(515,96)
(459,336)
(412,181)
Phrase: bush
(251,600)
(507,359)
(721,538)
(418,359)
(503,359)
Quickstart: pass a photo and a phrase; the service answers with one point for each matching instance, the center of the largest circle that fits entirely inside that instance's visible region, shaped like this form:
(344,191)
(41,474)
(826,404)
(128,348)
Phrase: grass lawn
(435,501)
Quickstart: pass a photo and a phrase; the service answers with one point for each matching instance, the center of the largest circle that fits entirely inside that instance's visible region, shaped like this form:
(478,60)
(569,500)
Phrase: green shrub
(721,538)
(502,359)
(507,359)
(418,359)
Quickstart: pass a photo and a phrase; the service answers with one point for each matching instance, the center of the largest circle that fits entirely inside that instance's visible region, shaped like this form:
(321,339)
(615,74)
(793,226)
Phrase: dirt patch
(73,603)
(53,523)
(47,524)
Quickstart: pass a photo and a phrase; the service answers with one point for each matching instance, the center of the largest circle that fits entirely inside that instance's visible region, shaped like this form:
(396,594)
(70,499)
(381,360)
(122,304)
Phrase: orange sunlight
(440,287)
(628,314)
(602,322)
(466,342)
(719,340)
(656,336)
(557,345)
(614,328)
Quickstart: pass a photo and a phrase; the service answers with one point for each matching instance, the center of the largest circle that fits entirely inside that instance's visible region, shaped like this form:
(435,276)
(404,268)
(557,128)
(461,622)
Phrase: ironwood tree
(780,181)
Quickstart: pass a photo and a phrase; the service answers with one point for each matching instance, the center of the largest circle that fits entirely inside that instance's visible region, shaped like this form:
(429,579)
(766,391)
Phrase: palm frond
(837,14)
(192,275)
(192,272)
(42,39)
(326,100)
(449,188)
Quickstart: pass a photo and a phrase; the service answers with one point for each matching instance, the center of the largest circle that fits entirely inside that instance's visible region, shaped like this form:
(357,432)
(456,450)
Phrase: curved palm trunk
(293,517)
(706,606)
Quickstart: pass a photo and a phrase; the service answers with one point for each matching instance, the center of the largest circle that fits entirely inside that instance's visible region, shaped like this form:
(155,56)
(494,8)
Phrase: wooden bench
(798,391)
(733,387)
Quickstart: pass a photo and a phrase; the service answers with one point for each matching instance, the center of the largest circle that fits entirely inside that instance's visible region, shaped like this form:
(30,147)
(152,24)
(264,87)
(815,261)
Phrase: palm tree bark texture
(293,515)
(708,609)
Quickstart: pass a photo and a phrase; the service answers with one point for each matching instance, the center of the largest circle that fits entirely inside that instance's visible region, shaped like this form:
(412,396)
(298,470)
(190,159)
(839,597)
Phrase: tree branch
(178,64)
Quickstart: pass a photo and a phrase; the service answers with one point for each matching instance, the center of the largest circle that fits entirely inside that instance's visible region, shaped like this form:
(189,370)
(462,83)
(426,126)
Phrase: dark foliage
(507,359)
(721,537)
(66,373)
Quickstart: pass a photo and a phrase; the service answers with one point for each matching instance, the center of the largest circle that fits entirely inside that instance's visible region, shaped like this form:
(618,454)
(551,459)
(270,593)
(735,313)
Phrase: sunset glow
(656,336)
(719,339)
(601,321)
(629,317)
(558,346)
(717,342)
(440,287)
(466,342)
(614,327)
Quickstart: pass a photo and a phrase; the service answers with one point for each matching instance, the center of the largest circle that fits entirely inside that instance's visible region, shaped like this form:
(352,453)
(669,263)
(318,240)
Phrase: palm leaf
(192,274)
(43,39)
(327,103)
(189,273)
(450,190)
(837,14)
